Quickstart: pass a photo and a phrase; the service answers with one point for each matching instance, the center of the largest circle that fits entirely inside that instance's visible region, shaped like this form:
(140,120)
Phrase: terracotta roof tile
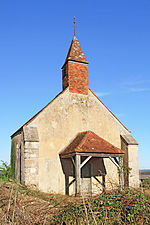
(75,52)
(89,142)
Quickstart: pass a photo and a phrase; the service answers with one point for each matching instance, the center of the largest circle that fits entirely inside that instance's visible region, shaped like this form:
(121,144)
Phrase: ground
(21,205)
(26,206)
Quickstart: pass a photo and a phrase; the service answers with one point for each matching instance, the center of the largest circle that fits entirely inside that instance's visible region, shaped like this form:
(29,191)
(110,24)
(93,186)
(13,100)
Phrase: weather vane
(74,25)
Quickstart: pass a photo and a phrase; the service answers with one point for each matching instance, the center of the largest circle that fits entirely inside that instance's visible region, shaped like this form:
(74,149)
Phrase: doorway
(86,184)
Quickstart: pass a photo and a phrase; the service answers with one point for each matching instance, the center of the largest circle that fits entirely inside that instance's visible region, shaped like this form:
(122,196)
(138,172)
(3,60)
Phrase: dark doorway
(86,185)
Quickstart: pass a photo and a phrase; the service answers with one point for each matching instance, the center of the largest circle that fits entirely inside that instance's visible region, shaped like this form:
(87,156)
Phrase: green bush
(5,171)
(127,207)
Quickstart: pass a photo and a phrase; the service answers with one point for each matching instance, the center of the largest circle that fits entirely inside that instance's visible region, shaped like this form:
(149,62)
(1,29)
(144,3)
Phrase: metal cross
(74,25)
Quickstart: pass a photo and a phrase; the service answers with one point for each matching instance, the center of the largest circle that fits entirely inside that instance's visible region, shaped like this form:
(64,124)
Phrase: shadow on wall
(93,168)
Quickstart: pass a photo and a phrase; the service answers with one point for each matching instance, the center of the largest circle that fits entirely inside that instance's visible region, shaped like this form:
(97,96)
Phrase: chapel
(75,145)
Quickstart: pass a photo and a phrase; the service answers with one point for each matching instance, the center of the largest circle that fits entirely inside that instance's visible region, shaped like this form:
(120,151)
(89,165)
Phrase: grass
(21,205)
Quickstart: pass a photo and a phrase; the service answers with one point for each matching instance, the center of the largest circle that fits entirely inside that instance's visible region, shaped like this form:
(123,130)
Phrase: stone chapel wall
(58,125)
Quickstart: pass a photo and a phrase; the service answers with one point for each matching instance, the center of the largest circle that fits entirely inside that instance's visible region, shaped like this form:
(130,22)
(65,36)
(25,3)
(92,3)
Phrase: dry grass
(20,205)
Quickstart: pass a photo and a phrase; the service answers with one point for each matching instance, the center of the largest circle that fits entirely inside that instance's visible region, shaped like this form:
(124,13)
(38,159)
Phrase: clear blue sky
(114,35)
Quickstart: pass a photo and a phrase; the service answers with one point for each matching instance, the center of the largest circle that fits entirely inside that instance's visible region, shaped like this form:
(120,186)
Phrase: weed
(5,171)
(127,207)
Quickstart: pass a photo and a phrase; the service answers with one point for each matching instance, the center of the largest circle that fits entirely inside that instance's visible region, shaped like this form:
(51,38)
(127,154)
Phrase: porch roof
(89,142)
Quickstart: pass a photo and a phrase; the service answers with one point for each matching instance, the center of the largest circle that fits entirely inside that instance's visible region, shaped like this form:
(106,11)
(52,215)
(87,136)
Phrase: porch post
(103,182)
(121,176)
(78,175)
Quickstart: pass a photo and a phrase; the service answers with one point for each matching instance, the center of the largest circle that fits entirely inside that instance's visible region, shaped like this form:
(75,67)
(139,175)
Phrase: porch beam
(67,155)
(73,162)
(98,180)
(102,183)
(85,161)
(72,181)
(117,164)
(100,155)
(116,160)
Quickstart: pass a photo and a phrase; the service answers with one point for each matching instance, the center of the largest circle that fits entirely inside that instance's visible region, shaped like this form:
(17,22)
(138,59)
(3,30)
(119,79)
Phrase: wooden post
(103,182)
(78,175)
(121,177)
(67,184)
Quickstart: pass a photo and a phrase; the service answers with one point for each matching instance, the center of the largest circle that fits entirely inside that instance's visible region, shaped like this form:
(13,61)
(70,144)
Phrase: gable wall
(60,122)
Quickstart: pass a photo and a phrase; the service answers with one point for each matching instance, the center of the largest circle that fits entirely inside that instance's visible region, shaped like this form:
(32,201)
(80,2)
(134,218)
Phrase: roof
(129,139)
(89,142)
(75,52)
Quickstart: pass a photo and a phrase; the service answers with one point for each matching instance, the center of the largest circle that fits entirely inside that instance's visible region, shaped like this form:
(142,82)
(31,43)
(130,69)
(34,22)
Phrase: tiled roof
(89,142)
(75,52)
(129,139)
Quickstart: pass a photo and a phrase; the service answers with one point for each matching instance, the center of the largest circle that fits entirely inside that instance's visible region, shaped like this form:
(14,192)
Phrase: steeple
(75,52)
(75,69)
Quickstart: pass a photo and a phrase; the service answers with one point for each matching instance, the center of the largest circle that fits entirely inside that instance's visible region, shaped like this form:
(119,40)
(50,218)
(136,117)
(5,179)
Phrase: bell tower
(75,70)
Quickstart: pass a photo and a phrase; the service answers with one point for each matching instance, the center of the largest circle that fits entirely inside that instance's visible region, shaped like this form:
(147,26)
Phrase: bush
(5,171)
(126,207)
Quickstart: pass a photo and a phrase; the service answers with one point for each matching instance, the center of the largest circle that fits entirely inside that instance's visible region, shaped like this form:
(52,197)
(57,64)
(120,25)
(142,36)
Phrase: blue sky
(115,38)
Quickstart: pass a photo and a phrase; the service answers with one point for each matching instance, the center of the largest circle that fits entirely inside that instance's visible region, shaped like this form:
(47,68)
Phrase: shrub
(5,171)
(126,207)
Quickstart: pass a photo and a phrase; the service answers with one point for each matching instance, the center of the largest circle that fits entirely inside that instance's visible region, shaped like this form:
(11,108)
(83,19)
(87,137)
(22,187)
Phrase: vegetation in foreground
(5,171)
(20,205)
(127,207)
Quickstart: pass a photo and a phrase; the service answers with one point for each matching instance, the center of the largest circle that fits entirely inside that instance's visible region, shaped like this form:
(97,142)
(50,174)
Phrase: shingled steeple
(75,69)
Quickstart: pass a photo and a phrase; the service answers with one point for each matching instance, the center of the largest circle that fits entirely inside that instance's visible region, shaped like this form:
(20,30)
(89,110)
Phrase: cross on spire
(74,25)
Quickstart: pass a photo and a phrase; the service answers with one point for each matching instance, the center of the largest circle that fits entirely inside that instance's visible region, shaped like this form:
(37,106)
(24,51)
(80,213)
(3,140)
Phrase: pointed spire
(75,52)
(75,70)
